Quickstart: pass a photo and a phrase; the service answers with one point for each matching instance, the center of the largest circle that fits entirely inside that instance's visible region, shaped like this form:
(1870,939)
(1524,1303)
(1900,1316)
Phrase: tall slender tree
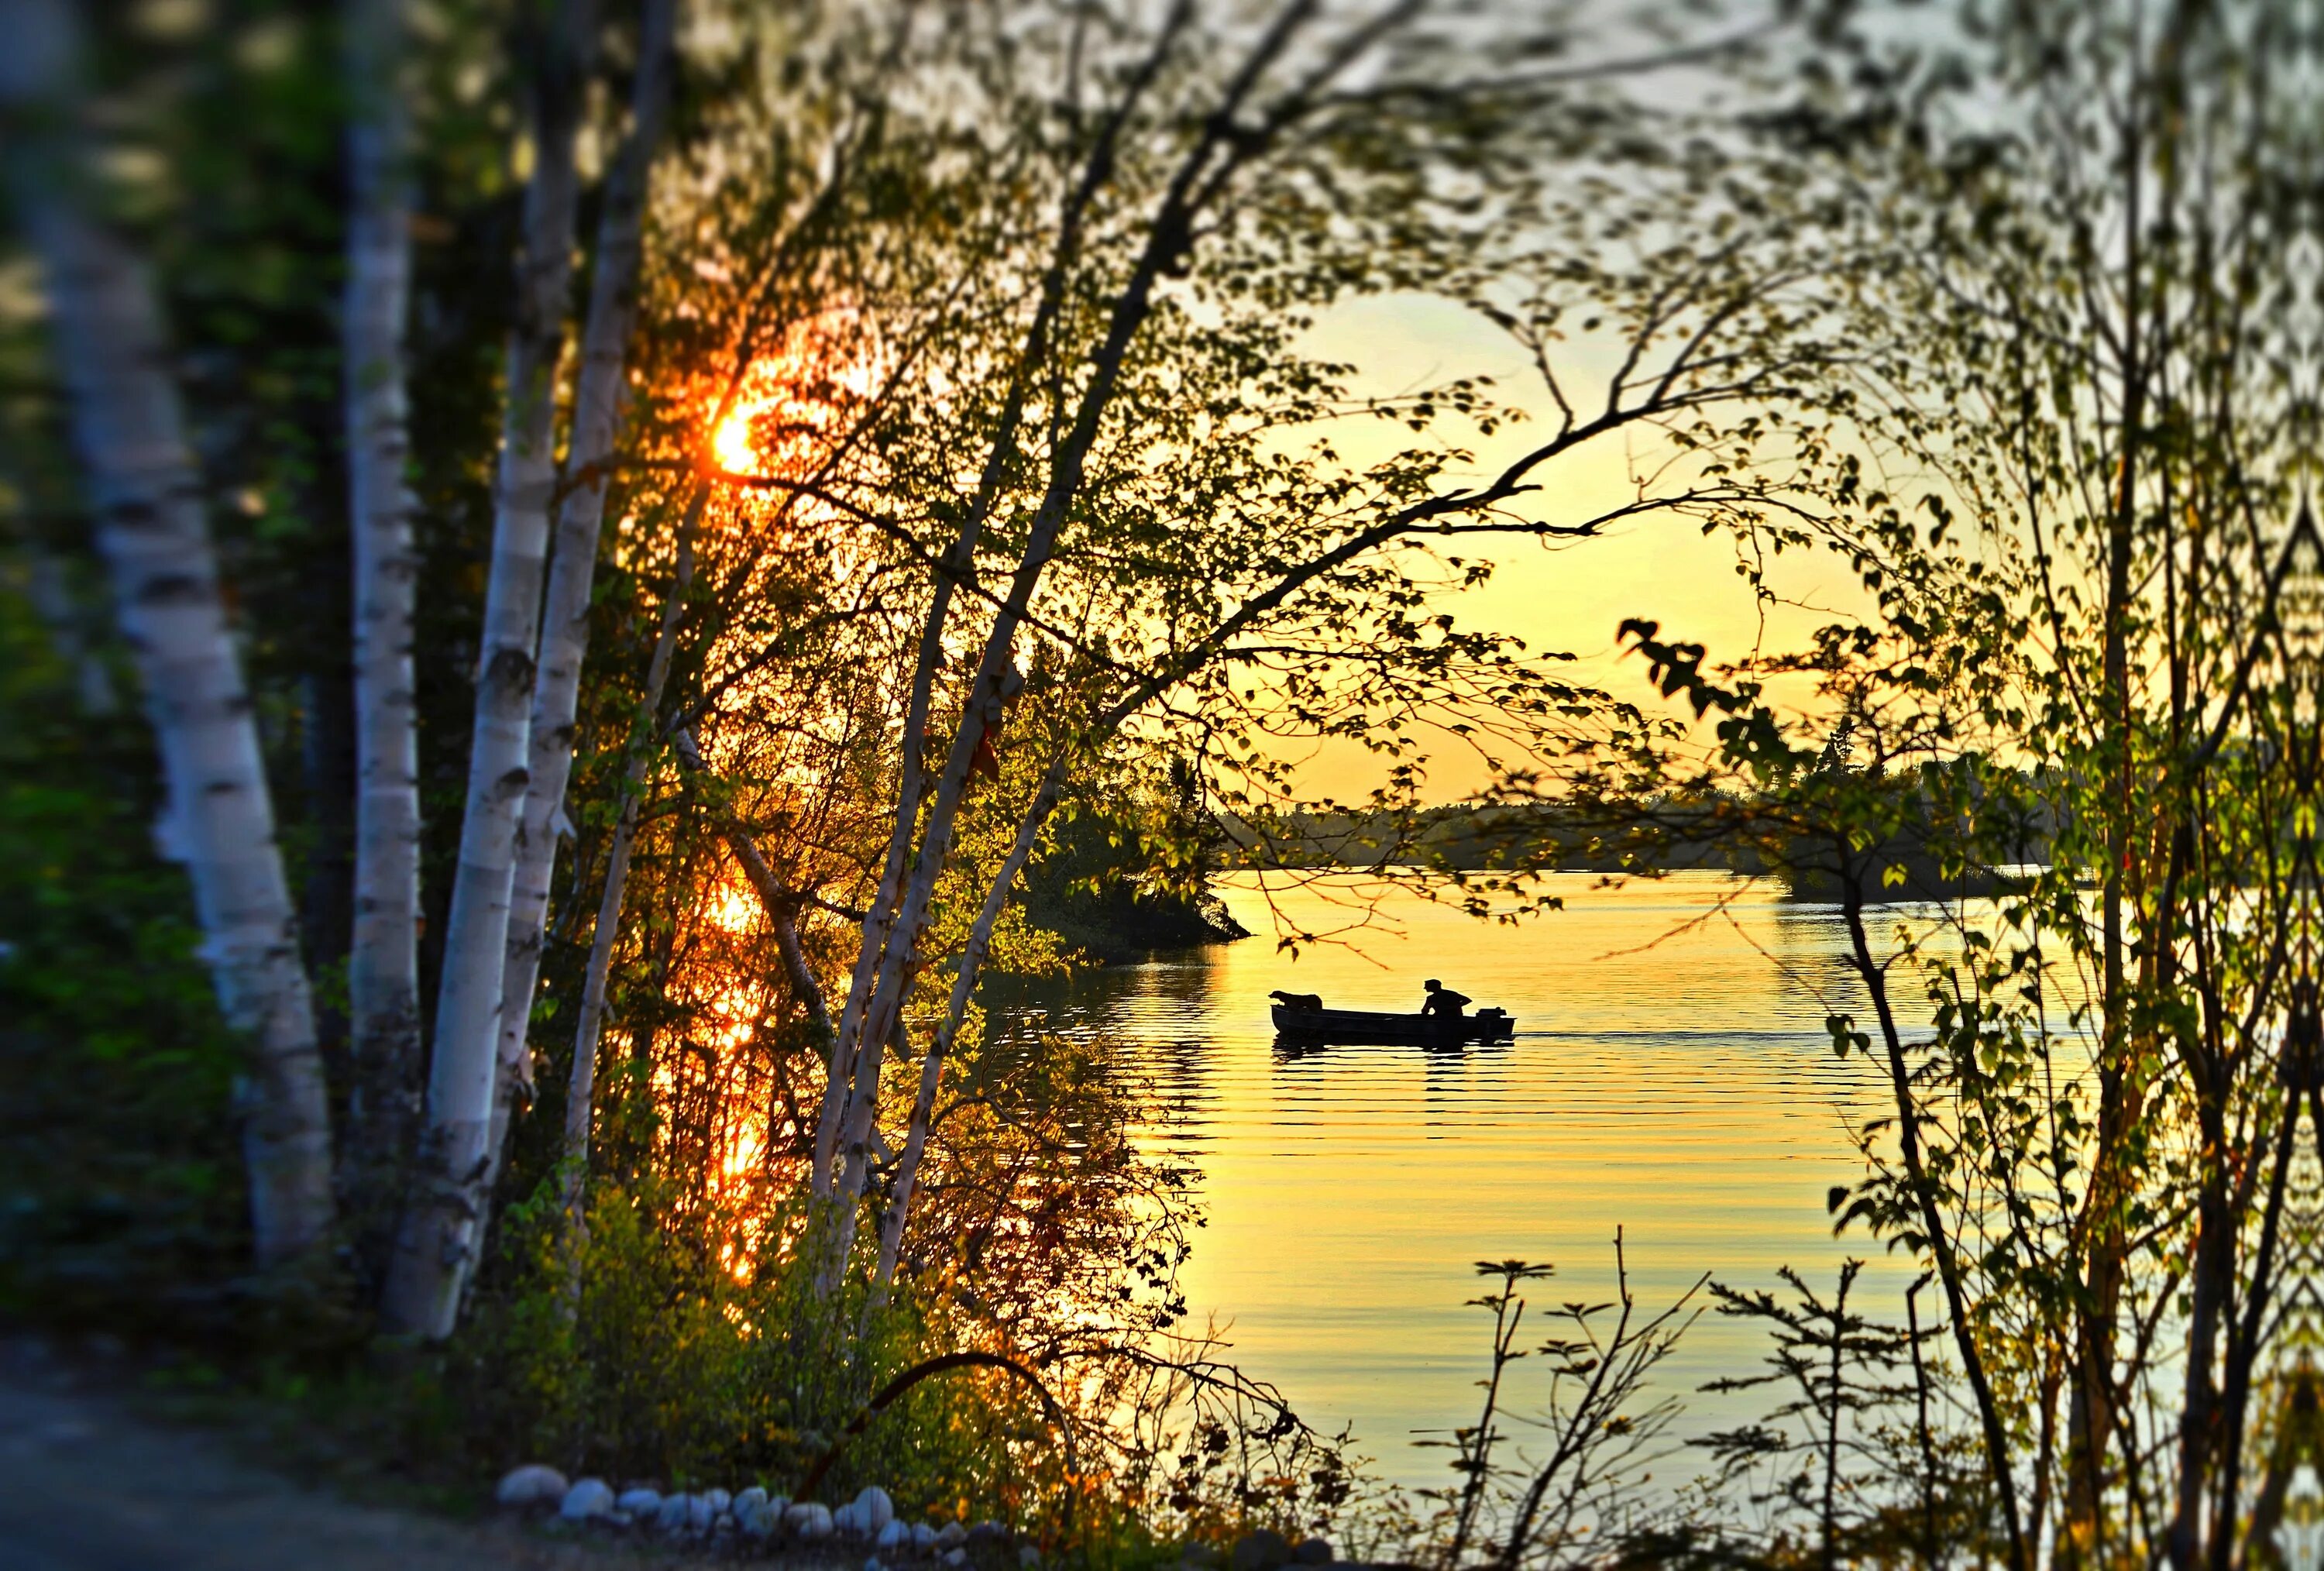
(436,1244)
(147,499)
(383,958)
(1136,213)
(598,399)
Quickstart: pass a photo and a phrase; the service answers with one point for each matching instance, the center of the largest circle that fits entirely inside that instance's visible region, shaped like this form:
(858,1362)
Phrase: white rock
(671,1516)
(924,1537)
(894,1536)
(873,1509)
(843,1518)
(532,1484)
(956,1556)
(758,1518)
(588,1499)
(639,1502)
(745,1500)
(619,1517)
(952,1535)
(808,1520)
(700,1513)
(873,1565)
(719,1499)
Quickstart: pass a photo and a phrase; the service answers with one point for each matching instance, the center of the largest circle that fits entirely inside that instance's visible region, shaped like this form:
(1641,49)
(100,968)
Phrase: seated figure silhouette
(1443,1001)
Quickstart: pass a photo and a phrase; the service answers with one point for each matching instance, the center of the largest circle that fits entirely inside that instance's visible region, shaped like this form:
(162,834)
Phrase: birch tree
(383,960)
(146,497)
(582,1083)
(598,398)
(1263,560)
(739,357)
(436,1245)
(1150,474)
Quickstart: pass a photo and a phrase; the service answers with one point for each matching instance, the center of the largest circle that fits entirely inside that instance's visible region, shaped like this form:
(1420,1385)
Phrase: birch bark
(147,502)
(436,1250)
(384,957)
(996,682)
(564,616)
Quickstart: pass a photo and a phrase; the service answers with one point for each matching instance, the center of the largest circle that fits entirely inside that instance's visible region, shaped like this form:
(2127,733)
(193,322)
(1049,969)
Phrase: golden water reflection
(1672,1079)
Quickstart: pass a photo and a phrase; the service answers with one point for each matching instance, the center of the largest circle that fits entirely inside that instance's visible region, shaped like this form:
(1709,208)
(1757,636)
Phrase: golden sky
(1571,597)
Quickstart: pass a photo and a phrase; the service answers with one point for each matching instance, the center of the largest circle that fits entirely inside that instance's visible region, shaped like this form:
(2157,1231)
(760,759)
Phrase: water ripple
(1672,1080)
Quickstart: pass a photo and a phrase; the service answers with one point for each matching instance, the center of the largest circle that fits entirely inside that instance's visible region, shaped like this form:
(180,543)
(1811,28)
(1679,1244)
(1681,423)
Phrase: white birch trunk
(437,1248)
(564,614)
(995,682)
(963,989)
(841,1070)
(383,956)
(843,1078)
(147,502)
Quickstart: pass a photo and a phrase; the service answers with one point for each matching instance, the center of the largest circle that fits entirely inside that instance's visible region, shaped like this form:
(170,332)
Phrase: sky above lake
(1568,596)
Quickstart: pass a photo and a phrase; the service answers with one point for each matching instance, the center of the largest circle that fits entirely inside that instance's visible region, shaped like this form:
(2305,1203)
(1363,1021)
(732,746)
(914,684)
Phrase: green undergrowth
(121,1192)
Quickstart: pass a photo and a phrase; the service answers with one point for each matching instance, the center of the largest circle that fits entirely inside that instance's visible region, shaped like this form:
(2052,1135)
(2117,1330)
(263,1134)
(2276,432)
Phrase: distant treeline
(1726,837)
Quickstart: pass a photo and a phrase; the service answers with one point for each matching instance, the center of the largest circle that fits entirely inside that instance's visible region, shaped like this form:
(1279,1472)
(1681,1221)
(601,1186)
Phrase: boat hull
(1362,1026)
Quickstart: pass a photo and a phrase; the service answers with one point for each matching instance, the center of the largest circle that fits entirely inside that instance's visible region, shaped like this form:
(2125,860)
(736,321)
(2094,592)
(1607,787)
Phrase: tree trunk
(964,988)
(383,956)
(148,506)
(2091,1418)
(443,1223)
(1942,1250)
(893,934)
(581,1086)
(957,562)
(564,614)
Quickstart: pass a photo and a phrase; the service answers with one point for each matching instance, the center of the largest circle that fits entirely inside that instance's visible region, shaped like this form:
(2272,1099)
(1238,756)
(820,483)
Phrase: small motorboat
(1364,1027)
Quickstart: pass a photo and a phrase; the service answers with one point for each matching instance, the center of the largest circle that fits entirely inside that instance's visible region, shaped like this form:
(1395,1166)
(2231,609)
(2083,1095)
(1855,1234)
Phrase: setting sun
(808,383)
(731,443)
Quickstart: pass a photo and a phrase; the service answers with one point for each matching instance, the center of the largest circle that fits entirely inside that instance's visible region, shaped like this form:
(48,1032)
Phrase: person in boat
(1442,1002)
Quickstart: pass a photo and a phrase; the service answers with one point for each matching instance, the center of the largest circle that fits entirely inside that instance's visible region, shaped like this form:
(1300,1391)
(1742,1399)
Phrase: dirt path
(86,1486)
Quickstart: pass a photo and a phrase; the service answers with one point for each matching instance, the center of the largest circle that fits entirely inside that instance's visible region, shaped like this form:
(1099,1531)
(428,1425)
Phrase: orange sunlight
(731,443)
(809,383)
(734,909)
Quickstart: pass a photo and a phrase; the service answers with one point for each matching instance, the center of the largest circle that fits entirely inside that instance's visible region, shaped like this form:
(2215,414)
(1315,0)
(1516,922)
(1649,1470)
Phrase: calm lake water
(1669,1076)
